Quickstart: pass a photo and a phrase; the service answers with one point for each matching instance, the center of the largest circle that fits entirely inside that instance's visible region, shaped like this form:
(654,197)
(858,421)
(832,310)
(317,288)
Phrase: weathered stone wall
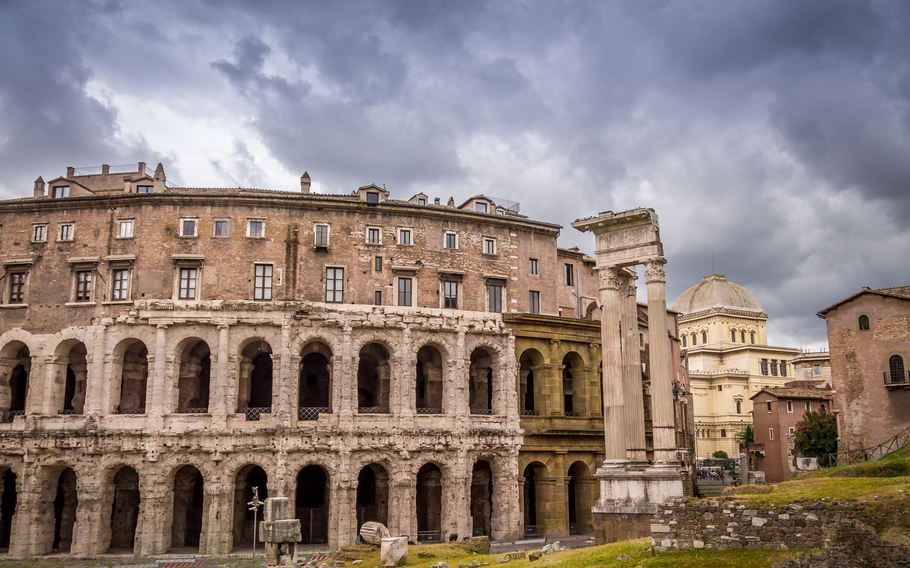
(725,525)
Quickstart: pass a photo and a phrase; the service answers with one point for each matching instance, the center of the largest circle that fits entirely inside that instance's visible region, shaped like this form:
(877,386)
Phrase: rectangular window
(262,282)
(421,201)
(720,388)
(187,284)
(789,406)
(450,293)
(221,228)
(808,406)
(480,207)
(817,369)
(489,246)
(451,240)
(404,291)
(17,288)
(723,433)
(121,284)
(40,233)
(570,273)
(334,285)
(144,189)
(790,430)
(783,368)
(496,299)
(771,433)
(84,286)
(534,302)
(378,265)
(188,228)
(377,298)
(372,197)
(66,232)
(257,229)
(773,367)
(769,406)
(322,236)
(374,235)
(404,236)
(61,191)
(764,367)
(124,229)
(532,266)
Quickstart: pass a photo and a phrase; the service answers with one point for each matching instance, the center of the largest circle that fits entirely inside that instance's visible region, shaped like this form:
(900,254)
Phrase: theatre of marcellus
(443,369)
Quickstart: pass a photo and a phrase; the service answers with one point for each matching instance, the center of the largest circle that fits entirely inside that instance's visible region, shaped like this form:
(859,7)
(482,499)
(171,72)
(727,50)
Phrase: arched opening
(65,504)
(194,378)
(530,360)
(133,379)
(125,510)
(315,382)
(429,380)
(429,503)
(255,392)
(533,521)
(896,363)
(482,498)
(8,500)
(189,500)
(573,384)
(372,495)
(580,499)
(248,477)
(15,367)
(313,504)
(864,323)
(75,382)
(373,380)
(481,382)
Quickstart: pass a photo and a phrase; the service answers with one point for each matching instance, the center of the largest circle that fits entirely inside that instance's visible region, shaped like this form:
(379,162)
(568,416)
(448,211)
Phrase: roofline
(829,396)
(865,290)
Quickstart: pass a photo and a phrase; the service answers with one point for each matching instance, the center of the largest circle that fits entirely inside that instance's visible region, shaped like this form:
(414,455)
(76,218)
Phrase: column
(219,386)
(95,384)
(614,423)
(661,367)
(154,407)
(631,373)
(92,530)
(217,535)
(156,510)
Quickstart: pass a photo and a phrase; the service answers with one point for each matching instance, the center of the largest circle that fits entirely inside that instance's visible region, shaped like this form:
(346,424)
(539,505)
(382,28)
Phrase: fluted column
(661,368)
(614,426)
(634,412)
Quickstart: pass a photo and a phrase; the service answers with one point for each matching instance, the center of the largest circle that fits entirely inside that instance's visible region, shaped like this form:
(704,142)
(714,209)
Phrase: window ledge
(123,238)
(373,244)
(116,302)
(12,306)
(65,240)
(187,237)
(78,304)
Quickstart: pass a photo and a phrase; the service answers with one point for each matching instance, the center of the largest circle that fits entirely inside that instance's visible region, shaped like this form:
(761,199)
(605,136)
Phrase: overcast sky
(771,135)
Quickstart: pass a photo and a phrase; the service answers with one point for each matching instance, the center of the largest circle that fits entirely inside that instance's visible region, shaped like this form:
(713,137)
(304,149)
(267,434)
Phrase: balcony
(893,381)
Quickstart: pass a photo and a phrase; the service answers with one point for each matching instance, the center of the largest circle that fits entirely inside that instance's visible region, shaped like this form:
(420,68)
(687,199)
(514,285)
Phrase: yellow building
(723,330)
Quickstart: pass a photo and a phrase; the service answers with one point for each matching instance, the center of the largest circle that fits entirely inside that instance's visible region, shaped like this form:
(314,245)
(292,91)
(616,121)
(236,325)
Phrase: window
(773,367)
(188,228)
(187,290)
(121,284)
(489,245)
(39,235)
(769,406)
(694,342)
(221,228)
(783,368)
(532,266)
(790,431)
(896,362)
(739,407)
(404,291)
(864,323)
(66,232)
(374,235)
(450,295)
(534,302)
(570,273)
(752,337)
(742,336)
(372,197)
(60,191)
(334,285)
(321,236)
(83,286)
(124,229)
(257,228)
(771,433)
(704,337)
(262,282)
(404,236)
(378,264)
(720,388)
(421,201)
(377,298)
(17,287)
(789,406)
(733,335)
(480,207)
(144,189)
(684,337)
(723,433)
(817,369)
(808,406)
(764,367)
(495,298)
(451,240)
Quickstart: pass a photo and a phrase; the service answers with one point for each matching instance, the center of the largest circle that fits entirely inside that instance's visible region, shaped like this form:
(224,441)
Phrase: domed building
(723,333)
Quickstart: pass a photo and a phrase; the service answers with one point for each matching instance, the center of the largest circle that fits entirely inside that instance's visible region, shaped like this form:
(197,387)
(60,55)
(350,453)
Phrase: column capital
(610,278)
(654,270)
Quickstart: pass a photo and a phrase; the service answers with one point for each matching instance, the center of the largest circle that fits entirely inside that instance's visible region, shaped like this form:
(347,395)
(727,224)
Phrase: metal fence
(429,411)
(253,414)
(374,410)
(891,445)
(312,412)
(429,537)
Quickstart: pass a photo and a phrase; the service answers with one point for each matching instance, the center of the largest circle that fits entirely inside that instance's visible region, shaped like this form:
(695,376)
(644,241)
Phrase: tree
(721,455)
(746,436)
(816,436)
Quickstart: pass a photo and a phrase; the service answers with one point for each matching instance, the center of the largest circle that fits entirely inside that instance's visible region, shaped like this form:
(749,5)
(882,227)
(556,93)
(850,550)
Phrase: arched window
(739,407)
(733,335)
(704,337)
(897,369)
(742,336)
(864,323)
(684,340)
(694,343)
(752,337)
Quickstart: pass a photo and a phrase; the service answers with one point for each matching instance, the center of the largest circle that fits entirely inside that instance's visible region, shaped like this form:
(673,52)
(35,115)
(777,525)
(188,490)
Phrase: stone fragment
(356,562)
(393,551)
(758,521)
(534,556)
(622,557)
(374,533)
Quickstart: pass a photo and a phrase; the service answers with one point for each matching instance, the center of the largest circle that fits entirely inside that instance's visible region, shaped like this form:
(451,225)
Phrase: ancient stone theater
(165,350)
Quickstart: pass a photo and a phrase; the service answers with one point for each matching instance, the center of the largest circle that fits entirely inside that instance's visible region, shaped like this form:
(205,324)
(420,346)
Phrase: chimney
(436,201)
(159,179)
(39,187)
(70,171)
(105,169)
(305,183)
(451,202)
(142,168)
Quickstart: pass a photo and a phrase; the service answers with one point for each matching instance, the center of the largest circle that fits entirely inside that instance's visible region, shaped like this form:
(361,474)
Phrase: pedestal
(629,499)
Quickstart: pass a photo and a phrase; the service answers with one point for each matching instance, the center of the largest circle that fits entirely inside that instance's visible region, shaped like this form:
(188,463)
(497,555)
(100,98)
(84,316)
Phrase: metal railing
(533,530)
(571,413)
(312,412)
(429,411)
(374,410)
(529,412)
(900,381)
(130,411)
(482,411)
(429,536)
(574,528)
(202,410)
(253,414)
(69,411)
(889,446)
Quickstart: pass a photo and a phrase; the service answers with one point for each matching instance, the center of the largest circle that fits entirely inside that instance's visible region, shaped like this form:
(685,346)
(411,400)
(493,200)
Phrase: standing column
(614,427)
(661,380)
(155,405)
(95,386)
(219,389)
(634,411)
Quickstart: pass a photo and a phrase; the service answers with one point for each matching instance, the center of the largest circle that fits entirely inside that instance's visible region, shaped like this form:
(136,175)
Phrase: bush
(721,455)
(816,437)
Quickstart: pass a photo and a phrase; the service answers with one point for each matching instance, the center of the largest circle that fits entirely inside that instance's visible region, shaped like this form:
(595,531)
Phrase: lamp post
(254,506)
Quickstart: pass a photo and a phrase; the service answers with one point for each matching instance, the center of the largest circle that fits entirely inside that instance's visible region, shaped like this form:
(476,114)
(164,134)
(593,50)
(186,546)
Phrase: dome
(715,292)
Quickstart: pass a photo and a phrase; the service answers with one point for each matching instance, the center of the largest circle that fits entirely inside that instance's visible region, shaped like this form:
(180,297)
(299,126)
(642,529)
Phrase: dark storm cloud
(774,135)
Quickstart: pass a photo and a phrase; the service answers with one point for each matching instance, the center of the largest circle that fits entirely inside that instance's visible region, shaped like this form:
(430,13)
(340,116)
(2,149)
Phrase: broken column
(280,532)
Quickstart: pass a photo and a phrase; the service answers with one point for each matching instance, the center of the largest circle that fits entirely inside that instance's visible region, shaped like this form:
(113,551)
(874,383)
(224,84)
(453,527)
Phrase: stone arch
(430,379)
(481,376)
(65,504)
(534,498)
(9,501)
(67,372)
(247,478)
(373,493)
(580,498)
(124,517)
(532,378)
(193,365)
(189,506)
(482,495)
(315,379)
(129,376)
(313,503)
(574,376)
(15,379)
(429,502)
(374,378)
(256,378)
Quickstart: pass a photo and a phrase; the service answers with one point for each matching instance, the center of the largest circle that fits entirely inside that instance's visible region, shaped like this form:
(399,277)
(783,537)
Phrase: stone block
(394,551)
(660,529)
(287,530)
(758,521)
(698,544)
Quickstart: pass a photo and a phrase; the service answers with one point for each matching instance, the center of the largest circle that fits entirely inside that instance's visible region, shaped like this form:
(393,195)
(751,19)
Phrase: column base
(629,499)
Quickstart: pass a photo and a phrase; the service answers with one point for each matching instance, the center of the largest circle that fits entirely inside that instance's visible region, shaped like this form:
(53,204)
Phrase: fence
(891,445)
